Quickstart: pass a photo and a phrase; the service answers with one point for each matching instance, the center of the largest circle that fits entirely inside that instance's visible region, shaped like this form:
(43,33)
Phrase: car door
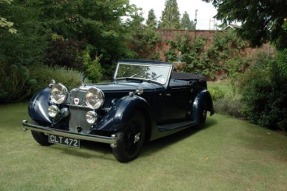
(175,101)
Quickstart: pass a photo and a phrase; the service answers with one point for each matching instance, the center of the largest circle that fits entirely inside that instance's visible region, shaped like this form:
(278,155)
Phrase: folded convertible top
(187,76)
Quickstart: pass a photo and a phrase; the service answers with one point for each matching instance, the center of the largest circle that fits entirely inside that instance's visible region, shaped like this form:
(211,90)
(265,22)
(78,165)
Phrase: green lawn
(224,86)
(229,154)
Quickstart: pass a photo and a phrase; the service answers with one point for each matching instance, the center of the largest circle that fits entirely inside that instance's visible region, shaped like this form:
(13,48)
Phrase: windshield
(157,72)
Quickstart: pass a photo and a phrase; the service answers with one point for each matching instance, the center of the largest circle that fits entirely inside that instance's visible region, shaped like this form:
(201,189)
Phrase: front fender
(118,115)
(38,106)
(202,99)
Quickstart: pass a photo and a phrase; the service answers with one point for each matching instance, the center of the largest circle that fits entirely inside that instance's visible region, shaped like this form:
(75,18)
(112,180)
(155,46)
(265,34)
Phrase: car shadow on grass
(89,150)
(104,151)
(159,144)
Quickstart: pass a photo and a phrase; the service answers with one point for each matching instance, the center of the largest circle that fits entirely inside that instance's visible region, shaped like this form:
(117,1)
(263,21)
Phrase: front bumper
(87,137)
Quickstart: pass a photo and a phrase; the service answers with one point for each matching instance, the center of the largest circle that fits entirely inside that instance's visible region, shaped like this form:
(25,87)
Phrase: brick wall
(207,34)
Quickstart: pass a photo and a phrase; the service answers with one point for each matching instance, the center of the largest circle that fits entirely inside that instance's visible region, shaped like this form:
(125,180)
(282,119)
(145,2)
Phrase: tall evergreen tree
(186,23)
(151,19)
(170,18)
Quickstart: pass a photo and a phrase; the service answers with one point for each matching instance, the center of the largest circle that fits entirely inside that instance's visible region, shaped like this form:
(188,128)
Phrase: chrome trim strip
(87,137)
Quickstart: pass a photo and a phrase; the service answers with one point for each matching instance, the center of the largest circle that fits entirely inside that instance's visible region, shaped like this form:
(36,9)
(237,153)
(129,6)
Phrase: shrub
(229,106)
(19,83)
(92,68)
(264,91)
(15,83)
(224,55)
(64,53)
(43,74)
(216,93)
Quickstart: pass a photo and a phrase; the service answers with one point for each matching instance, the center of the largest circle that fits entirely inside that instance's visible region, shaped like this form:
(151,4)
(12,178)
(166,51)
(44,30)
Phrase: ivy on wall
(224,56)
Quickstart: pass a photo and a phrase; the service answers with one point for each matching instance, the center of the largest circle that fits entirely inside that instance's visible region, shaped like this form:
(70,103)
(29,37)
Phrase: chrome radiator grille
(77,122)
(78,97)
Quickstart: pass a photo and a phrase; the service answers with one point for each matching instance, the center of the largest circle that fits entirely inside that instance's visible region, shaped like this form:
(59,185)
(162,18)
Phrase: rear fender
(38,106)
(123,109)
(202,99)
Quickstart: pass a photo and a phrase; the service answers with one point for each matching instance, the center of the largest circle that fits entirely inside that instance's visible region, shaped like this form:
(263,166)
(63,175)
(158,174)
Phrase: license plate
(64,140)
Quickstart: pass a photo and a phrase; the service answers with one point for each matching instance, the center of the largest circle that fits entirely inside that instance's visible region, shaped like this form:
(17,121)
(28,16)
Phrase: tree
(4,23)
(262,20)
(186,23)
(28,45)
(98,23)
(170,18)
(143,39)
(151,19)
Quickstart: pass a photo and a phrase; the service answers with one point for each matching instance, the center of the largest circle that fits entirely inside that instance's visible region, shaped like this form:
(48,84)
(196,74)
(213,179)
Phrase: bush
(15,83)
(264,91)
(229,106)
(216,93)
(64,53)
(224,55)
(92,68)
(43,74)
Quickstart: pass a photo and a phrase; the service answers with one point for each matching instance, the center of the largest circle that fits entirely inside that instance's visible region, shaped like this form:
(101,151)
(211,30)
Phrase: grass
(225,86)
(228,154)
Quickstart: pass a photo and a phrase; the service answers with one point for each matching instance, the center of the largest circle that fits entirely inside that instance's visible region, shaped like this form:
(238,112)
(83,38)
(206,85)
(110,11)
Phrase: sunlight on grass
(224,86)
(228,154)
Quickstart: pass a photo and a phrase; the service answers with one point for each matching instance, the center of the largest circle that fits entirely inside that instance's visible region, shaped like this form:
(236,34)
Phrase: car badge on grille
(76,101)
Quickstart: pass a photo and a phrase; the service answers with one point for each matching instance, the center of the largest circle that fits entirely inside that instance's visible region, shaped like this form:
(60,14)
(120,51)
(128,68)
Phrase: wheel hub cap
(137,138)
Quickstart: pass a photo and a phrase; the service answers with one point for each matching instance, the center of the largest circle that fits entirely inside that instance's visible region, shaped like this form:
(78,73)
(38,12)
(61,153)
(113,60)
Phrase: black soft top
(187,76)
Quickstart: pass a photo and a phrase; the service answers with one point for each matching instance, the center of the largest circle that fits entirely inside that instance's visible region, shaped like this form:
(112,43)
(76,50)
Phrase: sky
(205,11)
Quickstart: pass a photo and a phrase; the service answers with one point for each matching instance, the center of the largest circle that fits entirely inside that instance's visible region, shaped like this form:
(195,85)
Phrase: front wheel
(41,138)
(130,139)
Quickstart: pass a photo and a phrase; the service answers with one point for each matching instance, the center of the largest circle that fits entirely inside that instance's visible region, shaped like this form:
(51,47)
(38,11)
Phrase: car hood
(117,90)
(124,87)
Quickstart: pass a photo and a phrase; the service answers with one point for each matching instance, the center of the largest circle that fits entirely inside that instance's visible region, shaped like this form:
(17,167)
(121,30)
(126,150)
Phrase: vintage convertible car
(146,100)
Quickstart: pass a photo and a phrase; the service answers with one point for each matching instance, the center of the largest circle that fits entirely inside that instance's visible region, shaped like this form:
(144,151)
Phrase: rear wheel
(202,116)
(130,139)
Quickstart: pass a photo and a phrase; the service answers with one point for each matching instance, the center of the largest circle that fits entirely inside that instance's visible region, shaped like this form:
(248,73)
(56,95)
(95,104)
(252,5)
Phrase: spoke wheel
(39,137)
(202,116)
(130,139)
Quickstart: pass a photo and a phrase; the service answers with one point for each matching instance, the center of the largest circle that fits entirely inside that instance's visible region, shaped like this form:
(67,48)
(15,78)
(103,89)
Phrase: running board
(175,126)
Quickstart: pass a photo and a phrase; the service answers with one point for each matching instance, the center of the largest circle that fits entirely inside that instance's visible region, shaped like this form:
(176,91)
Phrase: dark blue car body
(134,110)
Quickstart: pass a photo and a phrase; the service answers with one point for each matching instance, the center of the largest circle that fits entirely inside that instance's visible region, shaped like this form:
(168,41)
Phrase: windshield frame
(148,64)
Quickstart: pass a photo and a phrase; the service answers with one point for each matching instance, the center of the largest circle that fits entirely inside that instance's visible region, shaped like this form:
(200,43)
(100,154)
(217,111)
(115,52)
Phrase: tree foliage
(262,20)
(186,23)
(56,32)
(143,39)
(92,67)
(28,45)
(151,19)
(223,55)
(98,23)
(264,91)
(170,18)
(4,23)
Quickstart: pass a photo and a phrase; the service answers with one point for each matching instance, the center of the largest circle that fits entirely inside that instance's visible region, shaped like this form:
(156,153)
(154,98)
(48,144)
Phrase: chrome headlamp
(53,111)
(91,117)
(58,93)
(95,98)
